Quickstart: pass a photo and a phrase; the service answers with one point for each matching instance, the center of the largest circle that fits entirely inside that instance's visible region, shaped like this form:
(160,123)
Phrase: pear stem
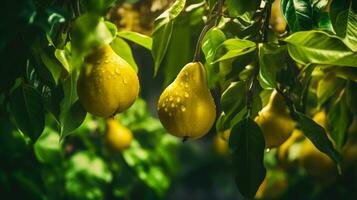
(184,139)
(210,23)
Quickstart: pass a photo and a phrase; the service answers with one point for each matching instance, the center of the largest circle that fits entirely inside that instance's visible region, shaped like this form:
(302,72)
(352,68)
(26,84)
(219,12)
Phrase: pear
(221,144)
(186,107)
(275,121)
(277,20)
(117,136)
(107,84)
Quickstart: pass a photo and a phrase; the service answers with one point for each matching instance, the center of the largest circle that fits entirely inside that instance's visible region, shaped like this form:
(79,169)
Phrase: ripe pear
(287,152)
(275,121)
(221,144)
(118,136)
(186,107)
(107,84)
(277,20)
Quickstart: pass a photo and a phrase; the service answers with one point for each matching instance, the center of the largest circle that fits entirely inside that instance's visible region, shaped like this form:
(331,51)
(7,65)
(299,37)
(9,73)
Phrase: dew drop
(106,61)
(98,62)
(186,94)
(178,99)
(125,81)
(267,150)
(170,114)
(117,71)
(172,105)
(166,109)
(186,85)
(183,108)
(171,98)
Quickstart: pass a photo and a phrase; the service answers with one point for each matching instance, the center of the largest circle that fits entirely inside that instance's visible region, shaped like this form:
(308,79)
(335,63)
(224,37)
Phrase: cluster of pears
(186,107)
(275,121)
(108,85)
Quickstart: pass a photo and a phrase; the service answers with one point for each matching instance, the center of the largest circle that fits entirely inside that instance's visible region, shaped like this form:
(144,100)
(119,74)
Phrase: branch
(210,23)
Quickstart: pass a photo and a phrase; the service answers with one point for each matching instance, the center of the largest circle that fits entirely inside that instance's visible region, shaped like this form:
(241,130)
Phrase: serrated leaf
(247,147)
(319,47)
(271,61)
(27,109)
(140,39)
(317,135)
(298,14)
(122,48)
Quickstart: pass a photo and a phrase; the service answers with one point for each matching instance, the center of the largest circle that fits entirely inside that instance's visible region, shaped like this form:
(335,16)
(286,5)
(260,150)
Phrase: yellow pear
(286,157)
(186,107)
(315,162)
(275,121)
(118,136)
(221,143)
(273,185)
(107,84)
(277,20)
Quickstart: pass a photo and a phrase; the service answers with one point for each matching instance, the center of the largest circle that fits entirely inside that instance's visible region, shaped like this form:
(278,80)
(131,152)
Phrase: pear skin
(186,107)
(107,84)
(275,121)
(118,136)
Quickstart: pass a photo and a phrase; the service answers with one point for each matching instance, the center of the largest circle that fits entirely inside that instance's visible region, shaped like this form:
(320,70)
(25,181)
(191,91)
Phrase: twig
(210,23)
(266,17)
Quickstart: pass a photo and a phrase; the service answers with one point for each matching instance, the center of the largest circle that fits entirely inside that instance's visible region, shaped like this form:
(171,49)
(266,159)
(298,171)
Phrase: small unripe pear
(107,84)
(275,121)
(117,136)
(186,107)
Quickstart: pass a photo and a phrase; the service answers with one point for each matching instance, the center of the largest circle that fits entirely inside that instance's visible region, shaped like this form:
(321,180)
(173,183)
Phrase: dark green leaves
(271,59)
(339,118)
(298,14)
(239,7)
(26,106)
(247,146)
(162,32)
(318,137)
(320,48)
(344,21)
(233,102)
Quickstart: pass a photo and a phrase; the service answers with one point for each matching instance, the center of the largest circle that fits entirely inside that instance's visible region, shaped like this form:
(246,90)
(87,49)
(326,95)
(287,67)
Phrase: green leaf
(63,56)
(181,45)
(210,43)
(233,102)
(140,39)
(27,109)
(72,119)
(71,113)
(247,146)
(344,21)
(48,148)
(320,48)
(234,48)
(271,61)
(327,87)
(163,26)
(318,137)
(298,14)
(122,48)
(89,31)
(339,119)
(239,7)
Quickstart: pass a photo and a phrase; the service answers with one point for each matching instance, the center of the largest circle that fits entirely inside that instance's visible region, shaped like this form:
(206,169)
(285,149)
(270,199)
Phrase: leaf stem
(266,17)
(210,23)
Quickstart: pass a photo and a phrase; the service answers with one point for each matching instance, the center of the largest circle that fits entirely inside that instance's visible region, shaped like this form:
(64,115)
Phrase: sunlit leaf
(298,14)
(122,48)
(140,39)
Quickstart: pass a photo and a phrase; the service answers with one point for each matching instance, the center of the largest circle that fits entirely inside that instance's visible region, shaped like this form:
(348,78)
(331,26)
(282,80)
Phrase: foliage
(53,149)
